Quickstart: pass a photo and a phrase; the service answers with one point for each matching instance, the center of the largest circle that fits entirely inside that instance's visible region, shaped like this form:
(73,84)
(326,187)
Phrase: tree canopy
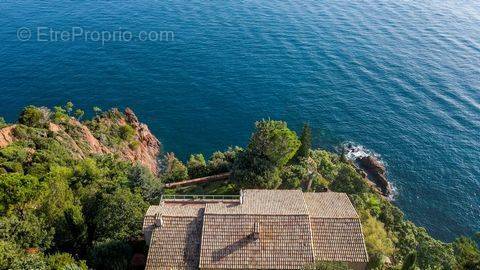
(271,146)
(305,143)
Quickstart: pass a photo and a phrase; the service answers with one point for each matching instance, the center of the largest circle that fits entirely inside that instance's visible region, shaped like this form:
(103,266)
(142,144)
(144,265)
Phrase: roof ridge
(249,214)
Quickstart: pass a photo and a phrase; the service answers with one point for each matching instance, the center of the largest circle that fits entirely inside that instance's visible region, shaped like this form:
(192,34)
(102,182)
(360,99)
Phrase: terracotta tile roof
(264,202)
(338,240)
(329,205)
(292,227)
(176,244)
(177,209)
(284,242)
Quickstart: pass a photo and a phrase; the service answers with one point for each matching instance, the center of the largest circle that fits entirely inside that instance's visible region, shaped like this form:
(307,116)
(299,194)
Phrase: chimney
(241,196)
(256,231)
(158,220)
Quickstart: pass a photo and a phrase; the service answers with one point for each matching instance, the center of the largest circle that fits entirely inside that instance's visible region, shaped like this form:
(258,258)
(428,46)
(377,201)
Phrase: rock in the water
(376,172)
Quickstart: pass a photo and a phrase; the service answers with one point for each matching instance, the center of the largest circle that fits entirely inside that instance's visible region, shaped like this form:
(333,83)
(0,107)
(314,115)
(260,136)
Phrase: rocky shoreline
(371,167)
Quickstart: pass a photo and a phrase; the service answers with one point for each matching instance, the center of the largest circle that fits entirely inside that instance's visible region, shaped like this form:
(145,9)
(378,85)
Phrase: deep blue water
(399,77)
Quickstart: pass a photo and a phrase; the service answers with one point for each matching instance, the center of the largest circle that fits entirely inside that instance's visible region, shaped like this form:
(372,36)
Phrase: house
(260,229)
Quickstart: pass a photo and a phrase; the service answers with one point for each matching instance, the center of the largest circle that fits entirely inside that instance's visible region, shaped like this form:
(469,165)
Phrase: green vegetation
(2,122)
(272,160)
(111,130)
(59,210)
(410,262)
(467,253)
(305,143)
(269,150)
(32,116)
(174,170)
(392,242)
(62,207)
(196,166)
(79,114)
(328,266)
(126,132)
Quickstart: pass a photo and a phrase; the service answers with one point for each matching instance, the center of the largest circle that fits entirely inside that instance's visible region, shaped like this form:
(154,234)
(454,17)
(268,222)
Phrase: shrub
(126,132)
(32,116)
(174,169)
(250,171)
(60,115)
(65,261)
(410,262)
(16,190)
(196,166)
(119,214)
(2,122)
(328,266)
(134,145)
(79,114)
(349,181)
(110,254)
(150,186)
(26,230)
(467,253)
(379,245)
(221,162)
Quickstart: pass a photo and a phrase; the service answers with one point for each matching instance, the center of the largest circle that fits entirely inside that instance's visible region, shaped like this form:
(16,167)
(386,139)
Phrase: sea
(398,78)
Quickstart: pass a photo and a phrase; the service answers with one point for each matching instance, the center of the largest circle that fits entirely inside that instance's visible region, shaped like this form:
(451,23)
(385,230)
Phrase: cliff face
(149,147)
(105,134)
(6,136)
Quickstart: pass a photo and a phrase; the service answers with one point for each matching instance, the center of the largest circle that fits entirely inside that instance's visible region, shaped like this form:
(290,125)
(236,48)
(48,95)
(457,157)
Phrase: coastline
(370,165)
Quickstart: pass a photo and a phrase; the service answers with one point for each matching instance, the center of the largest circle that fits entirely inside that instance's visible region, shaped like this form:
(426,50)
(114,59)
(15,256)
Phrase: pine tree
(306,143)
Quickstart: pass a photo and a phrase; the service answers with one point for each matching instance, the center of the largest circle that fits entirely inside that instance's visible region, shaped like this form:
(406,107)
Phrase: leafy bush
(294,176)
(65,261)
(32,116)
(2,122)
(328,266)
(467,253)
(111,130)
(134,145)
(348,180)
(16,190)
(174,170)
(221,162)
(110,254)
(379,244)
(126,132)
(119,215)
(251,171)
(27,231)
(197,166)
(150,186)
(410,262)
(60,115)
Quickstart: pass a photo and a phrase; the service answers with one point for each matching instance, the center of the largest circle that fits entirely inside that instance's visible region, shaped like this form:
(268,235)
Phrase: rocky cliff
(6,136)
(149,146)
(111,132)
